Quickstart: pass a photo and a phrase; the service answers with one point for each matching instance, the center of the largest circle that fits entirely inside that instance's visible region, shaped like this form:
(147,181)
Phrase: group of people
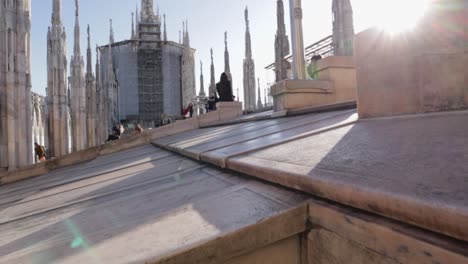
(188,112)
(119,129)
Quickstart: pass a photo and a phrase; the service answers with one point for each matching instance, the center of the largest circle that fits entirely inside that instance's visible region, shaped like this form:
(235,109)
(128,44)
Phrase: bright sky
(208,19)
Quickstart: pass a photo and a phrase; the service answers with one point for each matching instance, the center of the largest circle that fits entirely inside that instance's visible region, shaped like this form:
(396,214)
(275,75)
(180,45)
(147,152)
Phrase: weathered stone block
(415,72)
(336,84)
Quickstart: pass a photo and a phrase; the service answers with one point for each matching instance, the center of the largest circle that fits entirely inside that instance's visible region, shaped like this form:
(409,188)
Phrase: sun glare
(401,15)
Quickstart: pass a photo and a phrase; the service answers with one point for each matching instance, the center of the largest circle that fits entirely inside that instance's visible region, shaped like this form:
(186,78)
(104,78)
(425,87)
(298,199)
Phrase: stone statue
(224,89)
(246,15)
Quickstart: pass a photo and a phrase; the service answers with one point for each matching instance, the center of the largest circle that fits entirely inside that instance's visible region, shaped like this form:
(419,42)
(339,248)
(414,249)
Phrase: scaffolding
(150,84)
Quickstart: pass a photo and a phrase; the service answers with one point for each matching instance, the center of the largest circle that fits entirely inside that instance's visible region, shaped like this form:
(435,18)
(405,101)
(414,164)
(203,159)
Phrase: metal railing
(324,47)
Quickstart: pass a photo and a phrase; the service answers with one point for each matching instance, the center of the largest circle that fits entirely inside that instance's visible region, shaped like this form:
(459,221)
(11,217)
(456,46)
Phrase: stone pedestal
(228,110)
(336,84)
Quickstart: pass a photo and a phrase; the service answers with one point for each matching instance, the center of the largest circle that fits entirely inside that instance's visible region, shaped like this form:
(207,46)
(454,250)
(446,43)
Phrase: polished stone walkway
(412,169)
(149,203)
(138,205)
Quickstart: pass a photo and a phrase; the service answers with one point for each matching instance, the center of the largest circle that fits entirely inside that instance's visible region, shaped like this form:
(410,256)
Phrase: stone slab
(410,169)
(220,155)
(238,137)
(180,143)
(139,213)
(75,173)
(215,132)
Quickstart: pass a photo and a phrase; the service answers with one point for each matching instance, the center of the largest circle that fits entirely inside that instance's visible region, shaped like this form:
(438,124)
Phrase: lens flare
(401,15)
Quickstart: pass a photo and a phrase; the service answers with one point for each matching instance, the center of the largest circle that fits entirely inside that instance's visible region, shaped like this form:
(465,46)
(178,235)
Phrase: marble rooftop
(188,190)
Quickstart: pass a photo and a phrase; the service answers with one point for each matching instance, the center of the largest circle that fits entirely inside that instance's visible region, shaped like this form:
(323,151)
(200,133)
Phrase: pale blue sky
(208,19)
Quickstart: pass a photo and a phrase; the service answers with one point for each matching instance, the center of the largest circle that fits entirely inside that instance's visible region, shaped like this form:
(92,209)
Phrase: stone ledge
(449,221)
(336,62)
(301,86)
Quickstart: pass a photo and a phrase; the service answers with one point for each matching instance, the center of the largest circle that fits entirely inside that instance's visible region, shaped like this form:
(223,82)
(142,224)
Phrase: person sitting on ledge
(224,89)
(117,131)
(312,69)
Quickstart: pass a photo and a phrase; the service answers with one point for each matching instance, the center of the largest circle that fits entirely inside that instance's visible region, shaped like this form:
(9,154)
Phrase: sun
(401,15)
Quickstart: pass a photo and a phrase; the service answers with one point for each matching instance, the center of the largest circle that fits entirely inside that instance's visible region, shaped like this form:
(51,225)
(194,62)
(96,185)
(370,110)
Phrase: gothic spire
(89,68)
(165,28)
(343,28)
(281,45)
(77,48)
(98,65)
(187,36)
(57,12)
(249,69)
(183,32)
(248,41)
(133,26)
(227,67)
(212,76)
(137,16)
(147,11)
(259,101)
(111,41)
(202,85)
(111,34)
(280,17)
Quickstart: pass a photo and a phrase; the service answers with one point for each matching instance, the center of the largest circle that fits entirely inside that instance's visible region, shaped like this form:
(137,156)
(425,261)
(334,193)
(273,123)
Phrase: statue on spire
(133,27)
(147,12)
(111,34)
(77,8)
(57,12)
(165,28)
(202,84)
(212,91)
(89,38)
(247,17)
(225,40)
(227,67)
